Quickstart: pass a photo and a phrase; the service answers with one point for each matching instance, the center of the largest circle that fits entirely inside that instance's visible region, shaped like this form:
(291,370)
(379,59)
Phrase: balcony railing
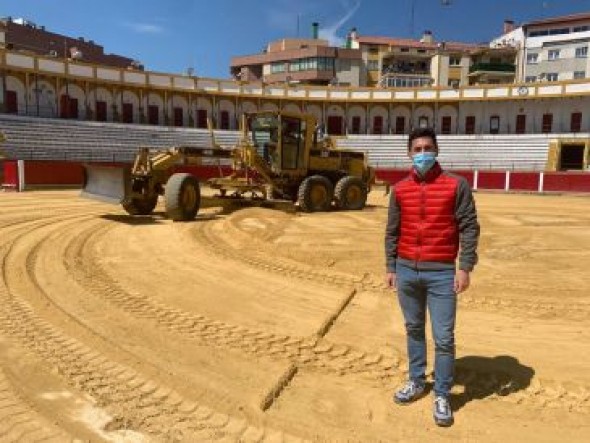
(493,67)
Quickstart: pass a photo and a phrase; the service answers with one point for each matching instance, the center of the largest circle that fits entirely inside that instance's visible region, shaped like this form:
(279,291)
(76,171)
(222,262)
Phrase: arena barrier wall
(20,175)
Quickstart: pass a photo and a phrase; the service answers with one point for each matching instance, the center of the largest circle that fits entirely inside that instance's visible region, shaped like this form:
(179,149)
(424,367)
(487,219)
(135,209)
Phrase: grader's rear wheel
(315,194)
(182,197)
(350,193)
(140,206)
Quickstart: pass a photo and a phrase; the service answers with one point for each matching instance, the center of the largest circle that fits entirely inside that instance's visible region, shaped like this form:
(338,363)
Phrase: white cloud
(144,28)
(330,32)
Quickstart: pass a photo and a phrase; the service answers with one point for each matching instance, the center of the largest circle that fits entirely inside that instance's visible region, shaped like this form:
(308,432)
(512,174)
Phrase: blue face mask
(423,161)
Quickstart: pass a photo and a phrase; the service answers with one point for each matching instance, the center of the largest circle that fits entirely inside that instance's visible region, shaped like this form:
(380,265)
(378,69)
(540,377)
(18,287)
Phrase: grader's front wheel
(140,206)
(182,197)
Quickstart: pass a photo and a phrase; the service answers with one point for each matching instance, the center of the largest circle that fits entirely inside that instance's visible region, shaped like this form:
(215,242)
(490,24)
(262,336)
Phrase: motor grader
(280,157)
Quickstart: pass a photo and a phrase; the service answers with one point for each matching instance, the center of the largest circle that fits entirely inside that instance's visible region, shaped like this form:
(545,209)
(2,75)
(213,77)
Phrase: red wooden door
(576,122)
(400,125)
(356,125)
(178,117)
(224,120)
(520,124)
(127,113)
(335,125)
(378,124)
(11,102)
(470,124)
(446,122)
(153,114)
(101,111)
(547,123)
(201,118)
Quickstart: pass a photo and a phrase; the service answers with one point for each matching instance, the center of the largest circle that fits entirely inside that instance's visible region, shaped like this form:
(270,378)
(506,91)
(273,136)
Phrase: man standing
(431,217)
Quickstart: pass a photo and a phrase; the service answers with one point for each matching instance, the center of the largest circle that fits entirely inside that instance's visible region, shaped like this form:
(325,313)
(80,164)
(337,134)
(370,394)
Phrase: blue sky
(172,35)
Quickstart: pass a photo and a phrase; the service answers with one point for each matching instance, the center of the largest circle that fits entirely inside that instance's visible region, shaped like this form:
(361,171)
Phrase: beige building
(310,61)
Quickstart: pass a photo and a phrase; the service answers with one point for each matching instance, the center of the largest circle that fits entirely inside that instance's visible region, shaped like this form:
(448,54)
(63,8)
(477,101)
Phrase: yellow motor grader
(280,157)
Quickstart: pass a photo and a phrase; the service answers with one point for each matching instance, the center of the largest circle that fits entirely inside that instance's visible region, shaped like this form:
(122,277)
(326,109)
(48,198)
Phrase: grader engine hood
(106,183)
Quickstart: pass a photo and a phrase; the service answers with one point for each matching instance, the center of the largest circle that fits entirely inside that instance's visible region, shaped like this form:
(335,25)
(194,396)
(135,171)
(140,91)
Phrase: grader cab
(281,157)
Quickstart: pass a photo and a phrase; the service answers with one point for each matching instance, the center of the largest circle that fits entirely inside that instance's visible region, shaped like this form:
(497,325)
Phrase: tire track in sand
(136,402)
(314,352)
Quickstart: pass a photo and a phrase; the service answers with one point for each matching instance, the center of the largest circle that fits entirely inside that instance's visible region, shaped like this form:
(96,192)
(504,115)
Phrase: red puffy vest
(428,228)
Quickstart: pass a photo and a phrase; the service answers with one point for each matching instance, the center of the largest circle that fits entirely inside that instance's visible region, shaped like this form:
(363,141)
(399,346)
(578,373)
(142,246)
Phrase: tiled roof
(561,19)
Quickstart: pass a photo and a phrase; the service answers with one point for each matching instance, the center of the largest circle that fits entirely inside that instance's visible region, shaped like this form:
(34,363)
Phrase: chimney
(427,37)
(508,26)
(315,30)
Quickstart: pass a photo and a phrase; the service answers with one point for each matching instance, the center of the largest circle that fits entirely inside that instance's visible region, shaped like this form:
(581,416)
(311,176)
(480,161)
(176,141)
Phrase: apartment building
(398,62)
(310,61)
(18,34)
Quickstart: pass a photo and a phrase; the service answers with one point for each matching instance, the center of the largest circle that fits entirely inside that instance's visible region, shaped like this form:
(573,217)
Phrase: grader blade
(106,183)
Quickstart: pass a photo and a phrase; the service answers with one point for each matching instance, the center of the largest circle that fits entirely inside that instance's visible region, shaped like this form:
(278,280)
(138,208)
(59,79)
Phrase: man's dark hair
(422,132)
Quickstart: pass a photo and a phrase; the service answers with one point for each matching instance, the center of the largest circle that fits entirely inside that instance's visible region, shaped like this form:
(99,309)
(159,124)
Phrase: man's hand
(390,280)
(461,281)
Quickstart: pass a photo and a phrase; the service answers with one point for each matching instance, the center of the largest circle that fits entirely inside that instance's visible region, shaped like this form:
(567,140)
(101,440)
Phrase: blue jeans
(433,289)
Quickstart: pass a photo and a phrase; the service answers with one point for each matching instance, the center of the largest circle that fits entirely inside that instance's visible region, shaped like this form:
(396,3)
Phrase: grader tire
(182,197)
(140,206)
(350,193)
(315,194)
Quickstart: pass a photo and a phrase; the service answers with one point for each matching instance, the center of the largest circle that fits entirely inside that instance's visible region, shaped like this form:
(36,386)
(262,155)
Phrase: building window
(373,65)
(579,74)
(423,122)
(454,61)
(553,54)
(532,59)
(581,28)
(373,49)
(582,52)
(277,67)
(576,122)
(404,50)
(530,78)
(520,124)
(454,83)
(552,76)
(547,123)
(470,124)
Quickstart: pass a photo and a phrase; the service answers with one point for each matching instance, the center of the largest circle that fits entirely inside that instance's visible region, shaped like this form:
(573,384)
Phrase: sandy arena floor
(258,325)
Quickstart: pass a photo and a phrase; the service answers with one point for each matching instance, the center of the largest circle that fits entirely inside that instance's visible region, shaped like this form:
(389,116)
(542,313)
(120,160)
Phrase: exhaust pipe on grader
(280,158)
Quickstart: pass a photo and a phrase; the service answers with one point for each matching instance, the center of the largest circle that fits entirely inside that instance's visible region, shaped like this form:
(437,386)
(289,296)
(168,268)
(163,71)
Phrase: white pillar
(507,182)
(541,180)
(475,178)
(20,170)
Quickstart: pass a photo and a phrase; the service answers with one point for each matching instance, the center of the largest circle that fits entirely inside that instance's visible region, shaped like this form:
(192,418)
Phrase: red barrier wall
(50,173)
(566,182)
(524,181)
(10,174)
(491,180)
(39,173)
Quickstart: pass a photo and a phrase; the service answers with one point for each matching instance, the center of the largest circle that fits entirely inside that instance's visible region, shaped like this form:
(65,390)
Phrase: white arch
(132,98)
(447,111)
(378,111)
(270,106)
(178,101)
(154,99)
(292,107)
(15,84)
(228,106)
(359,112)
(423,113)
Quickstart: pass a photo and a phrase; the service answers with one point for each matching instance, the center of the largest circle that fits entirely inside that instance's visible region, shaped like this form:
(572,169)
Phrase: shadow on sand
(482,377)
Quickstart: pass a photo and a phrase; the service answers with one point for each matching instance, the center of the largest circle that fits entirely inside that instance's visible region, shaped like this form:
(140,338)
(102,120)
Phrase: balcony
(497,68)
